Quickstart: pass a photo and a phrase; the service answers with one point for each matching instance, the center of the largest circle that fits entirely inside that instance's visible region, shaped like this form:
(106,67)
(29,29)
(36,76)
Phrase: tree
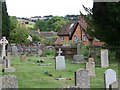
(104,23)
(5,21)
(0,18)
(56,23)
(19,35)
(41,24)
(13,22)
(53,24)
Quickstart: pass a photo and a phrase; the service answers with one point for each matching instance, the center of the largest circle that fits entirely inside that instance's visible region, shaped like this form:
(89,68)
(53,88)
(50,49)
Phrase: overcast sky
(28,8)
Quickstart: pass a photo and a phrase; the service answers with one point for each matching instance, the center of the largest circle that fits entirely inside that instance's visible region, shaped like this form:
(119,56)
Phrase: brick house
(74,32)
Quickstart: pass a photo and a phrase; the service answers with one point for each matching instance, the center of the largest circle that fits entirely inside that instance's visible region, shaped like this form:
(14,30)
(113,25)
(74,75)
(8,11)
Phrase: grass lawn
(31,75)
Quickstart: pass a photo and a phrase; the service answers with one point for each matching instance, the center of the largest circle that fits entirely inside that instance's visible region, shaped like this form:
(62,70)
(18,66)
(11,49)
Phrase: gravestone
(82,79)
(23,58)
(115,85)
(104,58)
(14,50)
(9,81)
(110,77)
(90,66)
(40,52)
(78,58)
(3,42)
(60,61)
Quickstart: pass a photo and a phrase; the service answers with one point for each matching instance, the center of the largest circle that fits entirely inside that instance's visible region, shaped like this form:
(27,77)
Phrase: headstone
(104,58)
(23,58)
(3,42)
(115,85)
(78,59)
(82,79)
(60,61)
(40,52)
(90,66)
(110,77)
(14,50)
(9,81)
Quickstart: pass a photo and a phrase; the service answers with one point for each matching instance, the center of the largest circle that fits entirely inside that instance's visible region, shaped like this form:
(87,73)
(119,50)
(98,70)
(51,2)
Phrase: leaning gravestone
(82,78)
(110,77)
(90,66)
(104,58)
(115,85)
(60,61)
(9,81)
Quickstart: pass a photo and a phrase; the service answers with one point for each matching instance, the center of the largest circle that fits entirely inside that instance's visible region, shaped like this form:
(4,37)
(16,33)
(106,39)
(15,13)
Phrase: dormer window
(84,38)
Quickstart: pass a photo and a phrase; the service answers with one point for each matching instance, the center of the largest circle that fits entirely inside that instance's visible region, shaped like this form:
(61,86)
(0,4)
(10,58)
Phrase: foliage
(49,52)
(36,38)
(5,21)
(0,18)
(19,35)
(104,23)
(13,22)
(53,24)
(49,40)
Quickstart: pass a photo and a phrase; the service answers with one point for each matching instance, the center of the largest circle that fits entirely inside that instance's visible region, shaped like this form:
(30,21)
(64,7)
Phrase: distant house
(49,37)
(75,32)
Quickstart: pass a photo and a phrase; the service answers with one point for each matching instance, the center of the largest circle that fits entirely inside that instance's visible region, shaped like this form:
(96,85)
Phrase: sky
(29,8)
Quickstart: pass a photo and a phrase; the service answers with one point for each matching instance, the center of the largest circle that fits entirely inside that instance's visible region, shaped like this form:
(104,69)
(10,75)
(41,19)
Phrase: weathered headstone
(14,50)
(79,58)
(3,42)
(23,58)
(90,66)
(104,58)
(9,81)
(115,85)
(60,61)
(40,52)
(82,78)
(110,77)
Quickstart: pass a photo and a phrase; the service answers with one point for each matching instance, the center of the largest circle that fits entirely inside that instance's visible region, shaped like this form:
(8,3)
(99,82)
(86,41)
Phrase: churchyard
(45,69)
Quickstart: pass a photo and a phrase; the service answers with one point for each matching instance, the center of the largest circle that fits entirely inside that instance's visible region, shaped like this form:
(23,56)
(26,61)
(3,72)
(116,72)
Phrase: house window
(84,38)
(62,38)
(75,39)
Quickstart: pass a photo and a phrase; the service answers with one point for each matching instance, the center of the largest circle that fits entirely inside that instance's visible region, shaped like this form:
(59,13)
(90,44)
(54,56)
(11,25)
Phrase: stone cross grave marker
(82,79)
(90,66)
(59,52)
(3,42)
(104,58)
(60,61)
(110,77)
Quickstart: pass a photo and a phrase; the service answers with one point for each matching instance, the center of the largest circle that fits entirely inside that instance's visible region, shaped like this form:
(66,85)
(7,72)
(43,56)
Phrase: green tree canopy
(13,22)
(53,24)
(19,35)
(5,21)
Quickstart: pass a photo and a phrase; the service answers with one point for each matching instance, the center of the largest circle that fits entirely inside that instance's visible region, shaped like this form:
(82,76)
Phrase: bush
(49,52)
